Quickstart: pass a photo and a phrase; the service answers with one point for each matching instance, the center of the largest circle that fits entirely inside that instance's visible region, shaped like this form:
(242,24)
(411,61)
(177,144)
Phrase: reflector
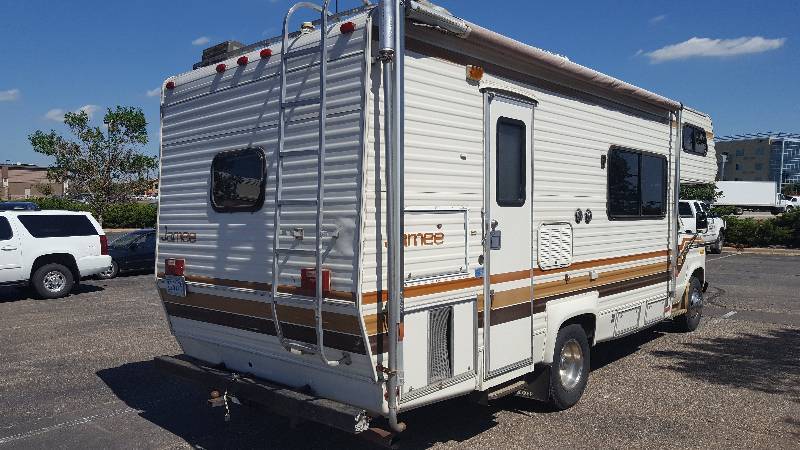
(347,27)
(266,53)
(221,68)
(242,61)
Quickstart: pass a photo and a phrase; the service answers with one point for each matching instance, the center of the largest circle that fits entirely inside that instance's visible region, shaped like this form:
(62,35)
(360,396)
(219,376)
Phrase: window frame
(693,150)
(665,179)
(520,202)
(262,186)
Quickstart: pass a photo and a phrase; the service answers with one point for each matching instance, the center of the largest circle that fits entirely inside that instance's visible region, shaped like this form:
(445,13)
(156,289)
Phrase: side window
(237,180)
(694,140)
(684,209)
(150,241)
(5,229)
(637,185)
(49,225)
(510,170)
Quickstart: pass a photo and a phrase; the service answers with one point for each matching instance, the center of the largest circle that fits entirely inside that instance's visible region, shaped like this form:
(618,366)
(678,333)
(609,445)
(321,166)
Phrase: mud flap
(538,384)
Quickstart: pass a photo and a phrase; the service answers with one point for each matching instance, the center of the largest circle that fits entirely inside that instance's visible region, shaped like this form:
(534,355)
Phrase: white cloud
(154,92)
(705,47)
(656,19)
(9,95)
(202,40)
(57,114)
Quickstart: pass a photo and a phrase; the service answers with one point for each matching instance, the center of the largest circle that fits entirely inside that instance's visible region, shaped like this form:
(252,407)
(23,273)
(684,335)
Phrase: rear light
(174,266)
(308,280)
(221,68)
(266,53)
(347,27)
(242,61)
(103,244)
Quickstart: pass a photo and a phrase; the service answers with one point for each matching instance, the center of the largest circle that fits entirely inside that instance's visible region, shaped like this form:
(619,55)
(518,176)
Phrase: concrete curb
(764,251)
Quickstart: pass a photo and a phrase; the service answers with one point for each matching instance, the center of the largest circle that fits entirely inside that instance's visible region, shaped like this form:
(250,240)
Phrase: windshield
(125,239)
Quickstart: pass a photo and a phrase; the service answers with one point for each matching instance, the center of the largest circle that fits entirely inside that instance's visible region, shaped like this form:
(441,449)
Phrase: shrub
(783,230)
(120,215)
(60,203)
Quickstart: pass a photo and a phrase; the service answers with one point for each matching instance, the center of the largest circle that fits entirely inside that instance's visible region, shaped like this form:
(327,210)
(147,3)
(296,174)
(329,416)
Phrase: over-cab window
(237,180)
(694,140)
(510,166)
(637,184)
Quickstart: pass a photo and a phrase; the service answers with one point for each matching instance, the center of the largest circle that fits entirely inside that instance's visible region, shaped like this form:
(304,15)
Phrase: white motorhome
(476,215)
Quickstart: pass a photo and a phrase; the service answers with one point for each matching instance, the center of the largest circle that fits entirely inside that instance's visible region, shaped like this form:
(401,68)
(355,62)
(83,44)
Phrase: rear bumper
(274,398)
(92,265)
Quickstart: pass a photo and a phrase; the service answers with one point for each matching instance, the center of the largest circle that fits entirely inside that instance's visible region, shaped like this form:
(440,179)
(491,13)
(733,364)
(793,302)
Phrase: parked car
(19,206)
(50,250)
(713,234)
(131,252)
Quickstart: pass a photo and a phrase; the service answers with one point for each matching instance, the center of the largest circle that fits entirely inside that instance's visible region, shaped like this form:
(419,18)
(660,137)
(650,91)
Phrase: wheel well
(587,321)
(700,273)
(64,259)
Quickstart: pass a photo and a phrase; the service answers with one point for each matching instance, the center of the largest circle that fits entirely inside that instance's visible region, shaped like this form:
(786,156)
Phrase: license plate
(175,285)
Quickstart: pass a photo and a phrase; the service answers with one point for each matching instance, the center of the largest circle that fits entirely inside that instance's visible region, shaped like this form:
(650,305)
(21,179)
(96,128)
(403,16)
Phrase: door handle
(494,224)
(8,248)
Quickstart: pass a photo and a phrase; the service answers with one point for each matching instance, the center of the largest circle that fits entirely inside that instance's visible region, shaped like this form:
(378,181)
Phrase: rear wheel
(570,369)
(52,280)
(109,273)
(690,320)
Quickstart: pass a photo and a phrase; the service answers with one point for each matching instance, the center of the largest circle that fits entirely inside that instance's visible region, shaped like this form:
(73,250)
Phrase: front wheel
(690,320)
(570,369)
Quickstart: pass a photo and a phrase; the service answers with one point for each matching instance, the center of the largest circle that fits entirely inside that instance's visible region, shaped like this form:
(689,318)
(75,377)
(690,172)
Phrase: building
(21,181)
(759,157)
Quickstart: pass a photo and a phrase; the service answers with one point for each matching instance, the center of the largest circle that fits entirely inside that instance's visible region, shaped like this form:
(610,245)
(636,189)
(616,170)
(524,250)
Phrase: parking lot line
(721,257)
(728,314)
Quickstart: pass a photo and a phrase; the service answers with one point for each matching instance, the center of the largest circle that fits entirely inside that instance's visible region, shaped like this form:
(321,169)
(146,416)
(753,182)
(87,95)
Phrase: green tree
(106,164)
(706,191)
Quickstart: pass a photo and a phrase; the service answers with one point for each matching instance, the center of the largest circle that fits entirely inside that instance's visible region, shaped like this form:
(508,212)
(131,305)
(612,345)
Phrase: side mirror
(702,221)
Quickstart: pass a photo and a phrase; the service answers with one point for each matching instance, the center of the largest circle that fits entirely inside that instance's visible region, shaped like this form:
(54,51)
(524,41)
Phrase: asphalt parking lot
(77,372)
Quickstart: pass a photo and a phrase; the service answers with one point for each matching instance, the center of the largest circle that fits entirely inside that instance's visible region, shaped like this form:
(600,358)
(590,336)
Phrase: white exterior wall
(697,168)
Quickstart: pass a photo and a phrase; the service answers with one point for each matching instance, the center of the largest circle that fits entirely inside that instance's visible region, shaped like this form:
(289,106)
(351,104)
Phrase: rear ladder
(280,203)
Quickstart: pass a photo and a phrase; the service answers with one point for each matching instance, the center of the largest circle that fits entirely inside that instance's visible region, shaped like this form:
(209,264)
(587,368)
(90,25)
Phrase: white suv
(50,250)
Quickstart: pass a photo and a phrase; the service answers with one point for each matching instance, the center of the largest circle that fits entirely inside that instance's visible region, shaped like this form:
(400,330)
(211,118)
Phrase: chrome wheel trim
(695,303)
(110,271)
(570,367)
(54,281)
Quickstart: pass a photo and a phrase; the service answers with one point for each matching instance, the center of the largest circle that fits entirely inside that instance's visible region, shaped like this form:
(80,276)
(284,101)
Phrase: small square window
(694,140)
(237,180)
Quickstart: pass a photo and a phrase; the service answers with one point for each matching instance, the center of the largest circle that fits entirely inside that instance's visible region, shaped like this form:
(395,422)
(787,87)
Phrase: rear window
(53,225)
(237,180)
(685,210)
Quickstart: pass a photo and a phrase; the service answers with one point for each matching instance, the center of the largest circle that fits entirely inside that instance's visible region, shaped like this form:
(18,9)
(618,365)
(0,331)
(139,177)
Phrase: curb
(764,251)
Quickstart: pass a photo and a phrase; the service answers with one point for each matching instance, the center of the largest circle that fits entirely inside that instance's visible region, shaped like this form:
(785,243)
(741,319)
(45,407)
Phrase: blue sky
(737,60)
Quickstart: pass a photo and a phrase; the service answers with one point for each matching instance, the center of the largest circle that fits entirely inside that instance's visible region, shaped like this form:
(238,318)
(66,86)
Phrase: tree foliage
(107,164)
(707,192)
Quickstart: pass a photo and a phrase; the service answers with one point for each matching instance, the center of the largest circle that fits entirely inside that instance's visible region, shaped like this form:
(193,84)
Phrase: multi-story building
(21,181)
(759,157)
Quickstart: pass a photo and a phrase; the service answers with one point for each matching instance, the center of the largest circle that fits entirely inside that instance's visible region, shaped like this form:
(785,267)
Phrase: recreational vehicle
(392,206)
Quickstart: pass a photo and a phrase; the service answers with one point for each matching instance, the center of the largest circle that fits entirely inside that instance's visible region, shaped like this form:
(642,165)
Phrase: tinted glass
(5,229)
(510,175)
(150,241)
(654,172)
(623,184)
(688,138)
(51,225)
(237,180)
(694,140)
(684,209)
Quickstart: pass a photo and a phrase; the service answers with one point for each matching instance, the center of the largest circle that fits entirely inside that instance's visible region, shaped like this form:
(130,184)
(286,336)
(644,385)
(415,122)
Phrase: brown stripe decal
(266,287)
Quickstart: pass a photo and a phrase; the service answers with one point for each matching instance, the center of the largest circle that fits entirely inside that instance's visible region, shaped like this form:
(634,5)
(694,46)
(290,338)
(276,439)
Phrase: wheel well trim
(64,259)
(579,309)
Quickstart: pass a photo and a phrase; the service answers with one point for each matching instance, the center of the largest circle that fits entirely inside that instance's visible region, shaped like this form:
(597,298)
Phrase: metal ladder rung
(298,103)
(306,152)
(298,202)
(296,251)
(315,50)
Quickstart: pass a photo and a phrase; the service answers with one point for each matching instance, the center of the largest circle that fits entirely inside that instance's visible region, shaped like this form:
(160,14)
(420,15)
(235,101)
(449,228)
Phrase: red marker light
(170,85)
(266,53)
(242,61)
(347,27)
(221,68)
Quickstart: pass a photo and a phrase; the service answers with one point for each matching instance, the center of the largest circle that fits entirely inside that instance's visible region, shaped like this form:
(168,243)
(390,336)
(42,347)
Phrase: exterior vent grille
(440,366)
(554,245)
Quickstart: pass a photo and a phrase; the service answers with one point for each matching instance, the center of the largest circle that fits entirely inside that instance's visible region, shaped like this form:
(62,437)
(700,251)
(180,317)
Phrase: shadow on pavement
(16,293)
(769,362)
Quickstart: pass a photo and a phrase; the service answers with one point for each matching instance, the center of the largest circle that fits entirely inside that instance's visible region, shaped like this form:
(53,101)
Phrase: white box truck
(753,196)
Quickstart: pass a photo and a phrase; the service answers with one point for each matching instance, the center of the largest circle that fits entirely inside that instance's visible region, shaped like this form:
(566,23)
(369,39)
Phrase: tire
(110,273)
(716,247)
(570,369)
(52,281)
(690,320)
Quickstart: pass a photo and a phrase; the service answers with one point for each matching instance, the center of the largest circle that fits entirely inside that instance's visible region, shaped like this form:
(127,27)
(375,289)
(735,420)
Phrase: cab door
(508,288)
(10,253)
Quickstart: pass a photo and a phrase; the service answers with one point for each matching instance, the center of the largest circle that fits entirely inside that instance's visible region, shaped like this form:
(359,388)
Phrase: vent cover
(554,245)
(440,362)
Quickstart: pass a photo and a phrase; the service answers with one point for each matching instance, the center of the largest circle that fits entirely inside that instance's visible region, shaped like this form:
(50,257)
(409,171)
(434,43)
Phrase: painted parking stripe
(728,314)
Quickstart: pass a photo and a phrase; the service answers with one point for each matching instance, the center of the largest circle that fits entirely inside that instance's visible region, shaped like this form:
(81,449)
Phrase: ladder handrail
(320,346)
